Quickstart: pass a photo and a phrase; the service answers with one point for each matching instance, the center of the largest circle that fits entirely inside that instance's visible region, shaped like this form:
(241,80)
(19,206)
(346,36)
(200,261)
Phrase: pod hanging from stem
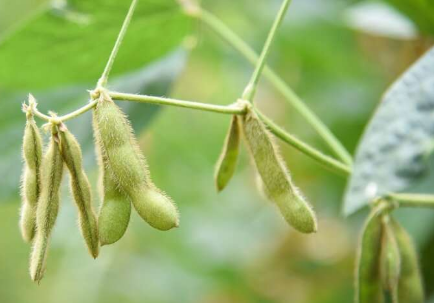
(277,181)
(227,161)
(115,210)
(115,138)
(48,205)
(31,178)
(80,188)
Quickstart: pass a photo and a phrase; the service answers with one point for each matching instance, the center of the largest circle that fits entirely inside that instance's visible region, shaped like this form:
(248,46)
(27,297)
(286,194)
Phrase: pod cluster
(124,180)
(387,266)
(274,179)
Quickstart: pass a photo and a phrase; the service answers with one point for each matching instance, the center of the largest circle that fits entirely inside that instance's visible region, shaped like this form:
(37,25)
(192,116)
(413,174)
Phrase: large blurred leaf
(393,153)
(153,79)
(420,11)
(15,12)
(71,44)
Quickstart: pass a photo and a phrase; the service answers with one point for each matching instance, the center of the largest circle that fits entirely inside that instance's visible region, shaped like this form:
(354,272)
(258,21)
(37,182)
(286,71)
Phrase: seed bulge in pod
(48,207)
(80,188)
(276,179)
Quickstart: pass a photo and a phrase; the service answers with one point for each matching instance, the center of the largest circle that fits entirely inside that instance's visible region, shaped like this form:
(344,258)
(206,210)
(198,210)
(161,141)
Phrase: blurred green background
(338,55)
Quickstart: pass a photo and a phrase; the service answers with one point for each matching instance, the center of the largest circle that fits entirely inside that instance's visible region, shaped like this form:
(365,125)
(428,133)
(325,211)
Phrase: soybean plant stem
(308,150)
(413,200)
(231,109)
(102,82)
(250,91)
(290,96)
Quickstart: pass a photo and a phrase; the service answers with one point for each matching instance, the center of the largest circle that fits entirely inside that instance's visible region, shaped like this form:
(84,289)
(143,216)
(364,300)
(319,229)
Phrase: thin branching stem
(306,149)
(413,200)
(230,109)
(102,82)
(250,90)
(290,96)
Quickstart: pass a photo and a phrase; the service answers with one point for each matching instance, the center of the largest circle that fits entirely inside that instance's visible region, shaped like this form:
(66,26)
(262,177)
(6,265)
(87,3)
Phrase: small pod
(276,179)
(80,188)
(115,138)
(115,211)
(48,207)
(369,287)
(31,183)
(410,286)
(227,161)
(390,260)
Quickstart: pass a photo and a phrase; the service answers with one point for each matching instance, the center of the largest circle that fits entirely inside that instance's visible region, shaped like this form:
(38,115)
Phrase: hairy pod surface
(227,161)
(410,286)
(369,287)
(80,188)
(115,211)
(277,181)
(390,260)
(31,183)
(115,138)
(48,207)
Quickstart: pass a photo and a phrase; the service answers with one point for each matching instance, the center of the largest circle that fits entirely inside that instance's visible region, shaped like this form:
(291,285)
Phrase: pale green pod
(114,136)
(156,208)
(115,211)
(30,189)
(277,181)
(369,287)
(410,285)
(390,260)
(48,207)
(227,161)
(80,188)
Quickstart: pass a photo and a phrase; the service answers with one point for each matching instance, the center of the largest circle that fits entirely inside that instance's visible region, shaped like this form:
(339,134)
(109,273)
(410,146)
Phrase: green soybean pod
(369,287)
(128,166)
(276,179)
(227,161)
(80,188)
(410,285)
(31,183)
(48,207)
(390,260)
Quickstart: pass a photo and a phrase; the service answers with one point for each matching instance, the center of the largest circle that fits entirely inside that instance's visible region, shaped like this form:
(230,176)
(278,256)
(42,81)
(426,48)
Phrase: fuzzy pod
(31,183)
(369,287)
(390,260)
(410,285)
(115,138)
(80,188)
(115,211)
(48,207)
(276,179)
(227,161)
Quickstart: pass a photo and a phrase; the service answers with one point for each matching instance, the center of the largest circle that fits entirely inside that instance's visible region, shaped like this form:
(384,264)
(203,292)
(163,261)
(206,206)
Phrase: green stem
(244,49)
(102,82)
(250,91)
(413,200)
(310,151)
(231,109)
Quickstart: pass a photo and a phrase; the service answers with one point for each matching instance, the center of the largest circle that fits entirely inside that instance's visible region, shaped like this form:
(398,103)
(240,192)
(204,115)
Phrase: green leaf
(392,155)
(72,44)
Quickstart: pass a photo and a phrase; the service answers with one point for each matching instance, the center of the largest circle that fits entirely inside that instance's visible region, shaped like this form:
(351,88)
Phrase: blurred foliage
(230,247)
